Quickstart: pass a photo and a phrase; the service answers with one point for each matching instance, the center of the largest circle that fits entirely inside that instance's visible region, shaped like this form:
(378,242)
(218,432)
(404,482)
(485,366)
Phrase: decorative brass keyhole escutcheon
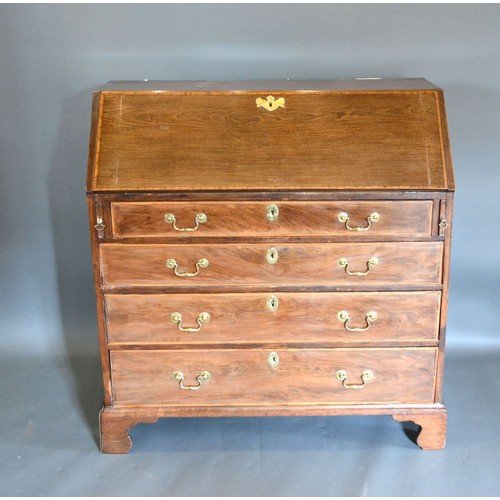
(204,376)
(176,318)
(272,303)
(272,213)
(200,218)
(344,218)
(369,318)
(270,102)
(273,359)
(272,256)
(172,264)
(344,263)
(365,377)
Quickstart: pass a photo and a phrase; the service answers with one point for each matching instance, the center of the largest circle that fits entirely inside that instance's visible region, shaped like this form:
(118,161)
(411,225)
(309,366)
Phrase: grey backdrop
(53,56)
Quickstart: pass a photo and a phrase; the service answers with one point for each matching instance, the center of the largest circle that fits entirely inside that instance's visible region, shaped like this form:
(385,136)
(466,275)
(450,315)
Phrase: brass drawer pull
(203,317)
(369,318)
(344,263)
(204,376)
(270,102)
(365,377)
(443,225)
(200,218)
(99,224)
(344,218)
(172,264)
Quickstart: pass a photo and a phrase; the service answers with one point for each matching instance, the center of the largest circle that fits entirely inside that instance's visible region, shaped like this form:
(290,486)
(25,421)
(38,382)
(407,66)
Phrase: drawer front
(239,377)
(300,264)
(343,218)
(272,318)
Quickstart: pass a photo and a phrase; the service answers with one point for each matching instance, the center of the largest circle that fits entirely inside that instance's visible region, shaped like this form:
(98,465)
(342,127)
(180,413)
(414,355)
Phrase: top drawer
(339,218)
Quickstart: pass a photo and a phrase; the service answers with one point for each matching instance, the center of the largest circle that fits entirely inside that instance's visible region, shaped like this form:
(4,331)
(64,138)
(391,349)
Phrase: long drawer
(340,218)
(247,376)
(281,264)
(309,317)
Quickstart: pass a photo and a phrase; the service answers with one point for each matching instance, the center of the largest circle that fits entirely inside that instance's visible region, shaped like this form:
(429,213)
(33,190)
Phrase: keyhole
(272,213)
(273,359)
(272,303)
(272,256)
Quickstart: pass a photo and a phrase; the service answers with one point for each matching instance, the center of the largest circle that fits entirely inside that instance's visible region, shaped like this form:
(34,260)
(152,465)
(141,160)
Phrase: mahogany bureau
(270,248)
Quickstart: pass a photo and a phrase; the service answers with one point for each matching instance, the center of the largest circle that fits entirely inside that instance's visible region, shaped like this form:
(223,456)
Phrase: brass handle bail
(200,218)
(176,318)
(344,218)
(204,376)
(365,377)
(369,318)
(172,264)
(344,263)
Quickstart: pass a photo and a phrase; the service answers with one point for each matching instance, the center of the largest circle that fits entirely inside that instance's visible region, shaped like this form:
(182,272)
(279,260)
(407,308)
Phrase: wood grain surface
(242,219)
(432,435)
(178,141)
(299,264)
(244,318)
(115,421)
(186,148)
(244,376)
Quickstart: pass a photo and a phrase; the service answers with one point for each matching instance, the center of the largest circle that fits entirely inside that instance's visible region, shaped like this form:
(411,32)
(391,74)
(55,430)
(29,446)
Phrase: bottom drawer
(246,377)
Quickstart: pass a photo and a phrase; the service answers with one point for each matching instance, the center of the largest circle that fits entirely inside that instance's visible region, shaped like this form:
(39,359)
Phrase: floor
(48,443)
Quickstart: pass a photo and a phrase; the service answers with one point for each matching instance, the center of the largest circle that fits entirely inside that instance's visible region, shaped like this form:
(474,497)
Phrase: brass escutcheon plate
(272,255)
(270,102)
(272,303)
(272,213)
(273,359)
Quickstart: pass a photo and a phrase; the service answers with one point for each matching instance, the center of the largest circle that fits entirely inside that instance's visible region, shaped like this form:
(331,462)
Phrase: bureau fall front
(266,248)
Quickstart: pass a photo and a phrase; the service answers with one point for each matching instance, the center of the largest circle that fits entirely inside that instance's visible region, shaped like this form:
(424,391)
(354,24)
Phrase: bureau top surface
(269,135)
(361,84)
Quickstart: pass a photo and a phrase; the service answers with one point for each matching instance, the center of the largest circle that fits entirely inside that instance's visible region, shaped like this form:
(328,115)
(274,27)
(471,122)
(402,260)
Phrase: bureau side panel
(448,214)
(94,140)
(101,320)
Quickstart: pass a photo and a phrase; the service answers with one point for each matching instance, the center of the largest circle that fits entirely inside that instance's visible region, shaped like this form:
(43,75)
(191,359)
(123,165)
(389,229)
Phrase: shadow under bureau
(266,248)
